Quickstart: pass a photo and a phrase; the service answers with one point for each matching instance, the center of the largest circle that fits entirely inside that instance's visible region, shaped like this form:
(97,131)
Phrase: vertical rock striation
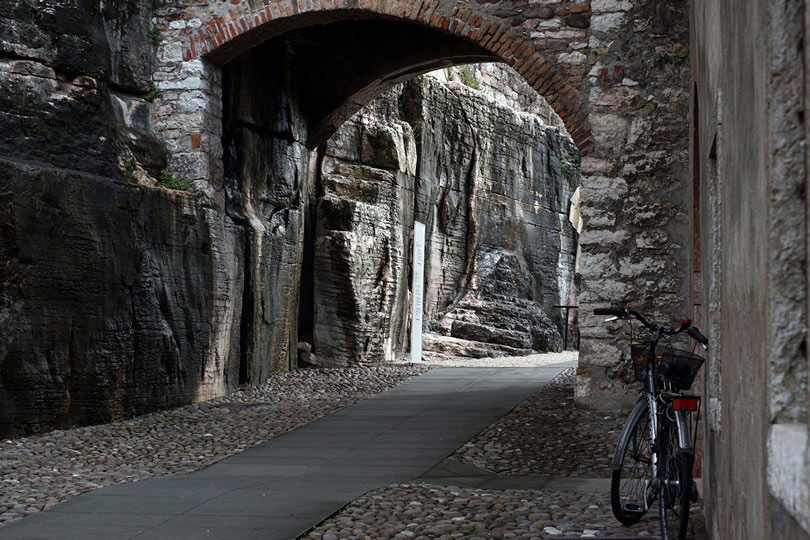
(492,185)
(362,246)
(266,183)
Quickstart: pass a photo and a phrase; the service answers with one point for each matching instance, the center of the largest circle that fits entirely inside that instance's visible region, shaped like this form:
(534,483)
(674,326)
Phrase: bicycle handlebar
(622,313)
(618,312)
(695,334)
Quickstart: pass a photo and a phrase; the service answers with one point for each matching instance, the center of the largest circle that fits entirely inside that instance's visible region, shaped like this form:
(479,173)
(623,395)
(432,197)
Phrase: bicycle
(655,451)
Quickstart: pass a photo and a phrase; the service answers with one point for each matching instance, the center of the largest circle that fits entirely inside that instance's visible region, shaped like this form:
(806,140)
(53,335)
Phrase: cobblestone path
(545,443)
(40,471)
(279,488)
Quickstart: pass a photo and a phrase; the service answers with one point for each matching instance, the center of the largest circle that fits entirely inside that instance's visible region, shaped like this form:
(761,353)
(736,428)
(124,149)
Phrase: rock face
(115,299)
(362,238)
(266,183)
(492,186)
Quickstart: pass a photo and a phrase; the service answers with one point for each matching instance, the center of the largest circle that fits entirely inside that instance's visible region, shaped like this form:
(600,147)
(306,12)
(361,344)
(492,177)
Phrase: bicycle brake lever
(609,319)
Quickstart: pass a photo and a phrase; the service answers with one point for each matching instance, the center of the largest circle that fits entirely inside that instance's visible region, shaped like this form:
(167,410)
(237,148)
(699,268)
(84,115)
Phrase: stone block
(608,6)
(578,20)
(606,22)
(538,12)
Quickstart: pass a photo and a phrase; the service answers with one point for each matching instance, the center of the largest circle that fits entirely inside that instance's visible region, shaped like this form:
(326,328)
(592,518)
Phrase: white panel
(417,288)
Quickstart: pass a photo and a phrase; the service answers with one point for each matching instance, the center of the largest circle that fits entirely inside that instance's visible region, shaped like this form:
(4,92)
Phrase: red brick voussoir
(227,28)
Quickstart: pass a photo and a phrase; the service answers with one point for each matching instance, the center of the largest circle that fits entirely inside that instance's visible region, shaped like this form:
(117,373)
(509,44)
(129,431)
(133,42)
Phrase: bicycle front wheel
(630,485)
(676,485)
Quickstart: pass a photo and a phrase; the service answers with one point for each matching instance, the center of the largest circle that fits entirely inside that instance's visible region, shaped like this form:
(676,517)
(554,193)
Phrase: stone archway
(200,38)
(612,69)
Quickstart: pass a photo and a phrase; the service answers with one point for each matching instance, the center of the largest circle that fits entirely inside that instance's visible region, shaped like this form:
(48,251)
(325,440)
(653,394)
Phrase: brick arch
(221,36)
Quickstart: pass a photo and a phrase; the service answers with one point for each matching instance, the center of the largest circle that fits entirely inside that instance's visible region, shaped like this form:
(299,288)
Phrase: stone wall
(492,185)
(635,190)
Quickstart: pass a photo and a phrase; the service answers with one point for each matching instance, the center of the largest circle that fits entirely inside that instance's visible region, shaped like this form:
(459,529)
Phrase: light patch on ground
(533,360)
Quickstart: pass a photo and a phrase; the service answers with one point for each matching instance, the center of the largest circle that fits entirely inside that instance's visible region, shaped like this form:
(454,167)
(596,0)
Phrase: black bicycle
(655,452)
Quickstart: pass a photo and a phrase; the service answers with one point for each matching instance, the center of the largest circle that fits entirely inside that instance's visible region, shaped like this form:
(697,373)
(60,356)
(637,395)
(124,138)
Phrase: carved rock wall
(116,297)
(266,181)
(362,240)
(492,185)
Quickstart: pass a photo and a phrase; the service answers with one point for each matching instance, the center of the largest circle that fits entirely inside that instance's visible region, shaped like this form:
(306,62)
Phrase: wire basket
(683,380)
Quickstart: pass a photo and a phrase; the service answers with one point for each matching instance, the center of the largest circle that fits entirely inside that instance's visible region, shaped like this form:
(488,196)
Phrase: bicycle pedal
(631,508)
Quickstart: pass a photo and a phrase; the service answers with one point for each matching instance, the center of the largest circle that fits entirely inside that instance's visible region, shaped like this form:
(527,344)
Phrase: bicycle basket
(685,377)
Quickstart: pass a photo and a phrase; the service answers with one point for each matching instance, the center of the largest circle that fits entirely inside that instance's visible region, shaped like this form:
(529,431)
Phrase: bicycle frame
(649,400)
(652,401)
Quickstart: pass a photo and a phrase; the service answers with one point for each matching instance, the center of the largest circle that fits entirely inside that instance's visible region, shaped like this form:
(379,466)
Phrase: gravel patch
(532,360)
(548,434)
(424,511)
(40,471)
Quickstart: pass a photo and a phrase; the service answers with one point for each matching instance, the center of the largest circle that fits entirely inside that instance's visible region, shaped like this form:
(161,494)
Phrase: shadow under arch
(382,44)
(282,98)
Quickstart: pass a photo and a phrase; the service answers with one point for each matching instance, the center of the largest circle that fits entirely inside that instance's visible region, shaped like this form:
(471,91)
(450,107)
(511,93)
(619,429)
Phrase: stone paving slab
(283,487)
(452,472)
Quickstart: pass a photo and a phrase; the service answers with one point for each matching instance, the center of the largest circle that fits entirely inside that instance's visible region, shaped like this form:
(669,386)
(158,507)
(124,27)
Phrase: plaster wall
(747,70)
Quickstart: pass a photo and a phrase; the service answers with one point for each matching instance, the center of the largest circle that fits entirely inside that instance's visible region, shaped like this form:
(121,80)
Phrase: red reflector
(686,321)
(684,404)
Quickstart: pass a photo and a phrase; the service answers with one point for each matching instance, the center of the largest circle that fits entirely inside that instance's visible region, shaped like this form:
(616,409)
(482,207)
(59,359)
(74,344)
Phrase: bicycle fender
(684,435)
(624,438)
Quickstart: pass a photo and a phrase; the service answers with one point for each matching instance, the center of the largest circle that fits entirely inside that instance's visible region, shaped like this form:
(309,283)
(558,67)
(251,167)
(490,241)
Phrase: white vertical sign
(417,287)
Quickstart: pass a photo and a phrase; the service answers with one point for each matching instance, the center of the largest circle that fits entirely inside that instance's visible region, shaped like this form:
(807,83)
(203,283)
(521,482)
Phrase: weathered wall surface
(492,185)
(362,244)
(111,295)
(635,184)
(749,71)
(500,250)
(267,179)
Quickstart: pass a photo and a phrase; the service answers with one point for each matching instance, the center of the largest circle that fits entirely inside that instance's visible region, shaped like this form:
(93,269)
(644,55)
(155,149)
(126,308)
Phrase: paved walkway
(283,487)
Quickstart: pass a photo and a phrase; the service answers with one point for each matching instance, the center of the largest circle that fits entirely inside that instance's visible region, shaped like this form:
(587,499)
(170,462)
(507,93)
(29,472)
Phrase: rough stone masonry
(117,297)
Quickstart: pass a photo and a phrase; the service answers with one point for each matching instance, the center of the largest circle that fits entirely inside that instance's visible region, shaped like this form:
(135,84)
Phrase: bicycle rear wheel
(676,487)
(630,485)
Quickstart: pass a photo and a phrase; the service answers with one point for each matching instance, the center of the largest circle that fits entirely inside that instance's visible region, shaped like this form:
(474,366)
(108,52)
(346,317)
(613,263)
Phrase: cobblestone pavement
(548,435)
(40,471)
(423,511)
